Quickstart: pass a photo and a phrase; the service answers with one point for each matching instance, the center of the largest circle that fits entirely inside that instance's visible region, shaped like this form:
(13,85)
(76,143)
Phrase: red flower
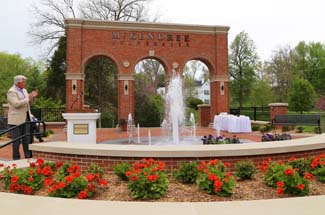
(128,173)
(280,184)
(14,179)
(31,172)
(31,179)
(27,190)
(47,182)
(1,164)
(83,195)
(217,185)
(102,182)
(69,178)
(40,162)
(134,178)
(279,190)
(91,188)
(227,164)
(292,158)
(300,186)
(308,176)
(289,172)
(90,177)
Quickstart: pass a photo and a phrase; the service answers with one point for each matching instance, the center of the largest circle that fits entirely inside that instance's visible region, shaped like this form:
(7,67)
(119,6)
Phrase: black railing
(254,113)
(48,114)
(29,131)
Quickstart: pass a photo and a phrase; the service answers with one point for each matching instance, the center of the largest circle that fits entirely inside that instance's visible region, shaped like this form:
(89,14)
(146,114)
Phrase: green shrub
(301,165)
(120,169)
(274,173)
(95,169)
(245,169)
(255,127)
(187,172)
(214,179)
(265,128)
(300,129)
(147,179)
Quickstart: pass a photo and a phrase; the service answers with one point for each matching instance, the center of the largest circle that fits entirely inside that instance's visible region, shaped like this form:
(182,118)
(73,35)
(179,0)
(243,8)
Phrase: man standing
(19,112)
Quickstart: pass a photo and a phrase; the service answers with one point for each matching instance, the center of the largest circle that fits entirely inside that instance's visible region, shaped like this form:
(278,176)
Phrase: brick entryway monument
(127,43)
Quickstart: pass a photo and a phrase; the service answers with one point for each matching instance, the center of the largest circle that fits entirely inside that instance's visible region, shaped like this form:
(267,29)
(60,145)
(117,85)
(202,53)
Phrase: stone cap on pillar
(278,105)
(203,105)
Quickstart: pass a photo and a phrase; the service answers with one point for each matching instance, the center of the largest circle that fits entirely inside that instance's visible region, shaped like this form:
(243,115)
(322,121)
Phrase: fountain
(175,107)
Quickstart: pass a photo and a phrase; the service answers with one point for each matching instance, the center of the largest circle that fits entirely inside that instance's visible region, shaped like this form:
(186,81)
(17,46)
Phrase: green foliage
(69,190)
(274,173)
(95,169)
(261,93)
(299,129)
(150,109)
(242,65)
(255,127)
(265,128)
(193,103)
(55,74)
(301,165)
(302,96)
(101,88)
(187,172)
(245,169)
(214,179)
(12,65)
(25,181)
(309,62)
(121,168)
(147,179)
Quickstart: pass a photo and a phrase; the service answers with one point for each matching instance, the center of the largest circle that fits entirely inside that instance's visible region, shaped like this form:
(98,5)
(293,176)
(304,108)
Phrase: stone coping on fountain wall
(106,155)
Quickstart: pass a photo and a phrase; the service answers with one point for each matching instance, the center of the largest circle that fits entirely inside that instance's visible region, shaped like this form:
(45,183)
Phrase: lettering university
(148,39)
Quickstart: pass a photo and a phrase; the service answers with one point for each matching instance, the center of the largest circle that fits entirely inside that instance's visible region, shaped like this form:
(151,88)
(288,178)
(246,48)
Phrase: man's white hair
(19,78)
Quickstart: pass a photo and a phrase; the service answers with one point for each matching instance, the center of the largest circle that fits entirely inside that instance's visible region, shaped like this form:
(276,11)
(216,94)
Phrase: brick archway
(127,43)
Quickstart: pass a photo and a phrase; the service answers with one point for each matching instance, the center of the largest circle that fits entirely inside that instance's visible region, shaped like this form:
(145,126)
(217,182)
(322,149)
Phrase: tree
(261,93)
(12,65)
(243,62)
(101,88)
(55,80)
(302,96)
(49,26)
(281,72)
(309,63)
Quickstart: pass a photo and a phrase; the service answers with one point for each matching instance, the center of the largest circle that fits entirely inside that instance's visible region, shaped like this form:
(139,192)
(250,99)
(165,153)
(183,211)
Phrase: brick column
(125,96)
(278,109)
(204,115)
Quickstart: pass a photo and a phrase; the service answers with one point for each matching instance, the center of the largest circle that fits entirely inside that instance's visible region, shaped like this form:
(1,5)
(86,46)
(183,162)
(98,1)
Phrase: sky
(271,24)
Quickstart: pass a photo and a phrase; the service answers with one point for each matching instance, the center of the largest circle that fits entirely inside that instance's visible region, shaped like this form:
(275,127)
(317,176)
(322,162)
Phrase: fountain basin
(107,155)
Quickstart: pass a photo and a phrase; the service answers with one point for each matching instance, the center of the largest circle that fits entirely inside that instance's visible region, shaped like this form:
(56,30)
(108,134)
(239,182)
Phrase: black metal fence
(48,114)
(254,113)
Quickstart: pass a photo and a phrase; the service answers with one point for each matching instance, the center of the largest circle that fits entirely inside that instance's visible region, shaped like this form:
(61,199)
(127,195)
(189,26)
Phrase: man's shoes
(41,140)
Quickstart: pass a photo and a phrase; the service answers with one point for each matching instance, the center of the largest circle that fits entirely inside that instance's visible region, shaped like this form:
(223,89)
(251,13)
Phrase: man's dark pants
(19,131)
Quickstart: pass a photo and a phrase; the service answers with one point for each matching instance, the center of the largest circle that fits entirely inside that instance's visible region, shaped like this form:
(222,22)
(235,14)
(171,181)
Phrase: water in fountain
(192,124)
(175,107)
(129,128)
(138,131)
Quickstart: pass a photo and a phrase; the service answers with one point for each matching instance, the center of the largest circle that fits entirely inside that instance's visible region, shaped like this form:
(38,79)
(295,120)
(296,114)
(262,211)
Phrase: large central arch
(128,42)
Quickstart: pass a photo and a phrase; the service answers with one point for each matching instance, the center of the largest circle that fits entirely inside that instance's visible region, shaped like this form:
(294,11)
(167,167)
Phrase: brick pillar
(277,109)
(204,115)
(125,96)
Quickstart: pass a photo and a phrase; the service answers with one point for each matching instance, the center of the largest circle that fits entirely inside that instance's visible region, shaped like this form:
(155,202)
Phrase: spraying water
(175,106)
(192,124)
